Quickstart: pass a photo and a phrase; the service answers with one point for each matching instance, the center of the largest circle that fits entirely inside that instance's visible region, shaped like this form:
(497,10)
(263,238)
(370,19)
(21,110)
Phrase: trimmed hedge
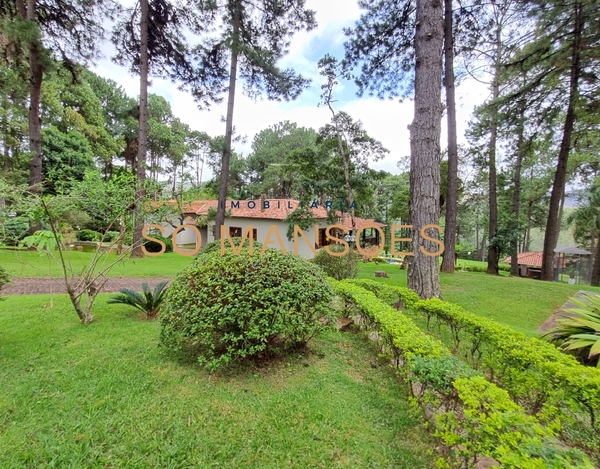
(538,376)
(475,416)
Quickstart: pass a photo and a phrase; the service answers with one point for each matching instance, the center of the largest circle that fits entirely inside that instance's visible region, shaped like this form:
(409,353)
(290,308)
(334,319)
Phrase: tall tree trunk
(223,182)
(423,273)
(592,249)
(36,73)
(595,277)
(528,230)
(492,258)
(558,187)
(514,266)
(142,137)
(448,259)
(346,161)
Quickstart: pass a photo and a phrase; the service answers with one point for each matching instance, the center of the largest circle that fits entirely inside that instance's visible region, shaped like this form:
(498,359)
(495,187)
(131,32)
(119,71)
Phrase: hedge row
(538,376)
(473,416)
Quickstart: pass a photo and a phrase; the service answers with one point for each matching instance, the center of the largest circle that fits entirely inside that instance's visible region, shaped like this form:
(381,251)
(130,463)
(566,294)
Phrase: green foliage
(42,240)
(492,424)
(14,230)
(378,260)
(4,278)
(338,267)
(475,417)
(149,301)
(538,376)
(111,236)
(66,157)
(580,334)
(227,308)
(440,373)
(153,246)
(89,235)
(302,217)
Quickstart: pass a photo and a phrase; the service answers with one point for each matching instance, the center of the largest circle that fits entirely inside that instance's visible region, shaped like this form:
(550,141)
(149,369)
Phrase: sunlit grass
(521,303)
(34,264)
(105,395)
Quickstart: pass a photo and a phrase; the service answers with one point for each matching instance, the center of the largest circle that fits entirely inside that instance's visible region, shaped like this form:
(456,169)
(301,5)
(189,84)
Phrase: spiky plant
(580,334)
(148,301)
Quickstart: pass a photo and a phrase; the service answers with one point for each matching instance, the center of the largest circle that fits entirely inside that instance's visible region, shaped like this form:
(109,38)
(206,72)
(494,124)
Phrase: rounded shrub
(338,267)
(224,308)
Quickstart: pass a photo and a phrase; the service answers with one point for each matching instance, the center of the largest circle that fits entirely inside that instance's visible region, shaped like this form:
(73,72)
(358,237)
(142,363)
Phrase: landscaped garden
(110,394)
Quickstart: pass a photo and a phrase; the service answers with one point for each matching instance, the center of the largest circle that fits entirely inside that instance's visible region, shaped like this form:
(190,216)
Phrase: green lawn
(105,396)
(32,264)
(521,303)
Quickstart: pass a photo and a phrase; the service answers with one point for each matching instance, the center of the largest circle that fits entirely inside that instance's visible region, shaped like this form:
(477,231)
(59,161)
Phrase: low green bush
(89,235)
(153,246)
(225,308)
(111,236)
(474,417)
(4,278)
(378,260)
(338,267)
(538,376)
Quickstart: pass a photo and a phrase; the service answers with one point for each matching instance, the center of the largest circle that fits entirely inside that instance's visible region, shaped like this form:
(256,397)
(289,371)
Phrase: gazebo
(575,265)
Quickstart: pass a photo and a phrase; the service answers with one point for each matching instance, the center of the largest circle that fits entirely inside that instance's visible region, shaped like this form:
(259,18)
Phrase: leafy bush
(224,308)
(111,236)
(89,235)
(439,373)
(338,267)
(539,377)
(378,260)
(476,418)
(14,230)
(148,302)
(580,334)
(153,246)
(4,278)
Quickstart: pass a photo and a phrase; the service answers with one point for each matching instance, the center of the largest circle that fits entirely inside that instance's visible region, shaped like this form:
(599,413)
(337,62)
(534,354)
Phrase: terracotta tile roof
(278,209)
(533,259)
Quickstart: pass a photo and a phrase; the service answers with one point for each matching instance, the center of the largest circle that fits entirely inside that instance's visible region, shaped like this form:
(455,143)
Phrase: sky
(385,120)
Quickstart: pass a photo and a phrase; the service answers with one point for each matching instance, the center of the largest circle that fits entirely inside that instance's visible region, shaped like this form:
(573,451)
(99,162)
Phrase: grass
(104,395)
(521,303)
(34,264)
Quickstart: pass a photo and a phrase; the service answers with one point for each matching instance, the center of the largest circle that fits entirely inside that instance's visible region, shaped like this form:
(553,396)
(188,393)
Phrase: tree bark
(492,258)
(595,277)
(528,230)
(558,187)
(143,135)
(448,259)
(514,266)
(36,73)
(223,181)
(423,273)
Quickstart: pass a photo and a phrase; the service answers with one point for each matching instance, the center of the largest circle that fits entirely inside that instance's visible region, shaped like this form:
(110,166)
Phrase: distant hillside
(565,237)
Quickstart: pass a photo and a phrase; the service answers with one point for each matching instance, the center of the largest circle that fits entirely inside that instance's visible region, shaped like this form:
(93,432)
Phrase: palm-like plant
(580,334)
(148,301)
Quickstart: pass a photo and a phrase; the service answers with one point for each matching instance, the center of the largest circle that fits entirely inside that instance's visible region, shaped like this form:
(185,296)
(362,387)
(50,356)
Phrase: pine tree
(253,36)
